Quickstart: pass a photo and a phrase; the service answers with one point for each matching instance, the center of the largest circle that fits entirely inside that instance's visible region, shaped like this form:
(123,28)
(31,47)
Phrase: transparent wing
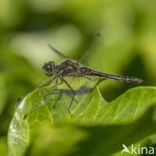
(93,58)
(57,52)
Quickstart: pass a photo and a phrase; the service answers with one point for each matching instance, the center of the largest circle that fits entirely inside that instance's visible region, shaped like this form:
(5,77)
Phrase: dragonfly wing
(57,52)
(93,58)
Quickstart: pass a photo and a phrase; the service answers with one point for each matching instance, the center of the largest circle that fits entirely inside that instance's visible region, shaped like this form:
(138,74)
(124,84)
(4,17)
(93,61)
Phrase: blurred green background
(128,42)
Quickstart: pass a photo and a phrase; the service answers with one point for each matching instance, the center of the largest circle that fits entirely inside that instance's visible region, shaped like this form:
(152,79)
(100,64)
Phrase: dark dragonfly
(71,68)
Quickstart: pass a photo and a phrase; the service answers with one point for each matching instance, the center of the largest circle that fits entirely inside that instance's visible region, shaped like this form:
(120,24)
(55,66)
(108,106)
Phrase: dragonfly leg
(73,95)
(54,92)
(43,104)
(56,84)
(60,92)
(48,83)
(33,109)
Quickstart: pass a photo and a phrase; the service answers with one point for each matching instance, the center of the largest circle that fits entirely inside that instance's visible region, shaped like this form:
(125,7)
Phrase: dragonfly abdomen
(89,72)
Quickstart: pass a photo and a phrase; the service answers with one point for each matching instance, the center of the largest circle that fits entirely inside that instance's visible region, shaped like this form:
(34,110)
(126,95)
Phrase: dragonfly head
(48,68)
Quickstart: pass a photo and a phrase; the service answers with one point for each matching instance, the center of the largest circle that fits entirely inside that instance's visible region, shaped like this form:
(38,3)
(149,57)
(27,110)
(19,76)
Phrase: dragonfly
(72,68)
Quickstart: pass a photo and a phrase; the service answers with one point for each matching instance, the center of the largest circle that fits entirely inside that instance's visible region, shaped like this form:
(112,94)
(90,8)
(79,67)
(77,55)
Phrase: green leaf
(3,146)
(95,126)
(3,93)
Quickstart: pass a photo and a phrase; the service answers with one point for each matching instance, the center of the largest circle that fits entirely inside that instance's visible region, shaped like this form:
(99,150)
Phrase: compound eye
(49,67)
(46,67)
(52,63)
